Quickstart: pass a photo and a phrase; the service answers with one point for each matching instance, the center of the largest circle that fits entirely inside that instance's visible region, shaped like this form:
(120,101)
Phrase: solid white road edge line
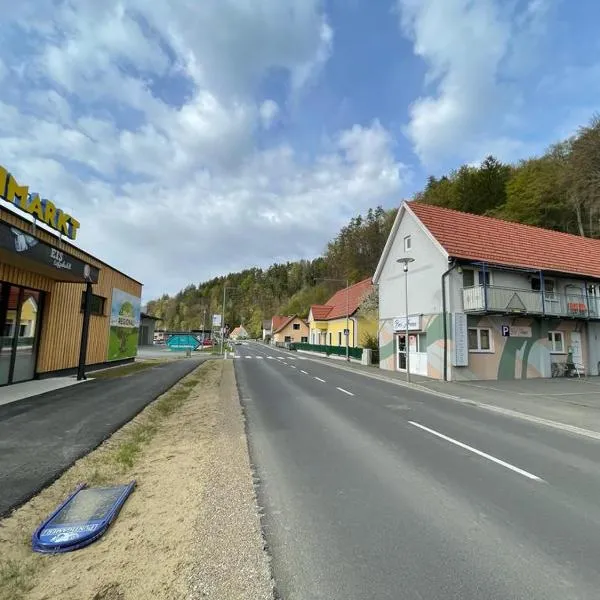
(345,391)
(478,452)
(321,380)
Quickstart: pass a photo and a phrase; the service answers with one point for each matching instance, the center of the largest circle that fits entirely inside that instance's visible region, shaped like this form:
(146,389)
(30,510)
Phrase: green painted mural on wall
(507,367)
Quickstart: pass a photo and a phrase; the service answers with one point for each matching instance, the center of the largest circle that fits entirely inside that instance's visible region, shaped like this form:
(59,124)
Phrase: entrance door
(401,351)
(577,350)
(20,316)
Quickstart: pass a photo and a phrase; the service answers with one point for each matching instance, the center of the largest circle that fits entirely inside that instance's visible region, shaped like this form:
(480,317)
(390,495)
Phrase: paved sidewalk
(42,436)
(575,402)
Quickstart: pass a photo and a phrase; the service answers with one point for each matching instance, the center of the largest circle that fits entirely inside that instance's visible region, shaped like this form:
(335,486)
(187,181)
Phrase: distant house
(239,333)
(327,322)
(266,330)
(487,299)
(288,329)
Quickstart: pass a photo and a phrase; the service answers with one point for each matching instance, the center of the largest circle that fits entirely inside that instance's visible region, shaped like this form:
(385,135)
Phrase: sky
(193,138)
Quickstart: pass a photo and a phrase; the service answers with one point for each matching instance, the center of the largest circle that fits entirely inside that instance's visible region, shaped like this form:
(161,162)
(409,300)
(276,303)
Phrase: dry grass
(109,464)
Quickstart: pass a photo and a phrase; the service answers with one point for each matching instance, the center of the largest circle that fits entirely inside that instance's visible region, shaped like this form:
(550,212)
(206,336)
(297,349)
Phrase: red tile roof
(320,311)
(477,238)
(280,322)
(339,303)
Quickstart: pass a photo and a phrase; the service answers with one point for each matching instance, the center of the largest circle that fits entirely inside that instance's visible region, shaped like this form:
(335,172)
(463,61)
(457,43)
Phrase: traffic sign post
(181,342)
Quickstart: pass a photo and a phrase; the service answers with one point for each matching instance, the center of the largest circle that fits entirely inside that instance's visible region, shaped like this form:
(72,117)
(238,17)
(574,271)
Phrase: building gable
(404,213)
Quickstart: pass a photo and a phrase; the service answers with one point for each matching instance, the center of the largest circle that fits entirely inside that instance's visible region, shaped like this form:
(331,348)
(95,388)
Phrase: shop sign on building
(68,267)
(460,356)
(40,208)
(414,323)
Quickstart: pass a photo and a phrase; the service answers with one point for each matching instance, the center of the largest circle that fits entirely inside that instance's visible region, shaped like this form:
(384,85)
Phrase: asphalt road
(375,491)
(41,437)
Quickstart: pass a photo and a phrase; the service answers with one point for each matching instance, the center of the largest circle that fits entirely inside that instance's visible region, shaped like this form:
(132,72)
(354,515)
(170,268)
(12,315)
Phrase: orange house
(289,329)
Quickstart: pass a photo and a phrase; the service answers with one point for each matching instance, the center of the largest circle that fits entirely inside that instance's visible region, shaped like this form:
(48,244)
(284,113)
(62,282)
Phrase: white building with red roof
(487,299)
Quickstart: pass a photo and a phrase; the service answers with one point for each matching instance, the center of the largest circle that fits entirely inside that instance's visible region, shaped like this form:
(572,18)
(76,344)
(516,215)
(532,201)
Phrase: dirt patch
(152,550)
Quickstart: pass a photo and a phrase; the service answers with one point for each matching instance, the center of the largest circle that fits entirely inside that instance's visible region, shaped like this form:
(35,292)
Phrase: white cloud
(269,110)
(471,50)
(172,189)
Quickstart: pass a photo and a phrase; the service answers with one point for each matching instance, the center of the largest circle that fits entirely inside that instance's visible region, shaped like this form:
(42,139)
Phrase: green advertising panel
(124,325)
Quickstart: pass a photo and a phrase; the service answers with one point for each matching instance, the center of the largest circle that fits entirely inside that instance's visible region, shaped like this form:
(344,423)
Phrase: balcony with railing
(496,299)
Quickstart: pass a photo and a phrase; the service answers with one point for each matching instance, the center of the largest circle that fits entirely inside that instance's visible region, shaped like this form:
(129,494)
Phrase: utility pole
(347,332)
(223,320)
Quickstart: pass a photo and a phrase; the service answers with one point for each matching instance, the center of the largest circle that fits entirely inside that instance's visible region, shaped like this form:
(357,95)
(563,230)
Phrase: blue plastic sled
(81,519)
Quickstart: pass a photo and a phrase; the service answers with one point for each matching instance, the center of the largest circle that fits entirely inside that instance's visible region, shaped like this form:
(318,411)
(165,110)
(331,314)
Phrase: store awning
(20,249)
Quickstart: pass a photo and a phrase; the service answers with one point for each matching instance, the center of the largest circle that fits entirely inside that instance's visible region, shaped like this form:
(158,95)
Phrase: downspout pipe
(444,319)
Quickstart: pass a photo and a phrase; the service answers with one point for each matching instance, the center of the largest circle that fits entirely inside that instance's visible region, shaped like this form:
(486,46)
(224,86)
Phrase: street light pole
(223,320)
(405,262)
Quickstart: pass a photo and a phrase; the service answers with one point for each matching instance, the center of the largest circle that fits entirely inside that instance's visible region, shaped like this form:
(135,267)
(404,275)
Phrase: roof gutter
(444,319)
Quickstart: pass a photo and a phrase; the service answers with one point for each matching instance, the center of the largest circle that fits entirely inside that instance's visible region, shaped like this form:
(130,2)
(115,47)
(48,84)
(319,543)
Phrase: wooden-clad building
(61,309)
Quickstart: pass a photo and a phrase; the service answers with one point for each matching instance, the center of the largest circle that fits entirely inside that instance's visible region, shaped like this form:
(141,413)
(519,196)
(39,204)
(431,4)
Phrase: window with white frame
(469,277)
(480,339)
(407,243)
(549,287)
(557,342)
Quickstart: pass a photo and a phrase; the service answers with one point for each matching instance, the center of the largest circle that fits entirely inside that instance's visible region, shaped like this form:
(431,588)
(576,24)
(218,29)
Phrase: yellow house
(288,329)
(328,322)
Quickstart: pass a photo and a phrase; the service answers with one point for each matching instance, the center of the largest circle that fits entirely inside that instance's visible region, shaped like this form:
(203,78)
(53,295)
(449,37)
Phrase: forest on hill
(558,190)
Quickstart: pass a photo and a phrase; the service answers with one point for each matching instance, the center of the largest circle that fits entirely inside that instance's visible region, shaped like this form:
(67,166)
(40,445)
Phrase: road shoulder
(190,529)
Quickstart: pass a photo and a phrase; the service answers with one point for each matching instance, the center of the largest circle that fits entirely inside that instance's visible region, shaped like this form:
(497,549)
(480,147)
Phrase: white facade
(412,240)
(515,323)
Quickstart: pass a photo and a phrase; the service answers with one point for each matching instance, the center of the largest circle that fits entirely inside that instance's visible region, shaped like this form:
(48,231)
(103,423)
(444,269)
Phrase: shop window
(480,339)
(97,304)
(557,342)
(296,326)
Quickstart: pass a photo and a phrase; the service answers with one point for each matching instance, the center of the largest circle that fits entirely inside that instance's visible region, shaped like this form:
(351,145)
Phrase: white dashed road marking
(345,391)
(478,452)
(321,380)
(301,371)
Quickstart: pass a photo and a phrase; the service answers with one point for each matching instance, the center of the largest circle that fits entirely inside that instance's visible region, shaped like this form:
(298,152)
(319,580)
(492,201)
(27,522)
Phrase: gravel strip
(231,561)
